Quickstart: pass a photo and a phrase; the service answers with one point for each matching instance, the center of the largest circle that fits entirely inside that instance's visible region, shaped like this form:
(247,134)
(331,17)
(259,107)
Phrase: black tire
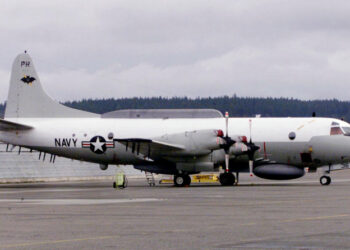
(325,180)
(227,179)
(179,180)
(114,185)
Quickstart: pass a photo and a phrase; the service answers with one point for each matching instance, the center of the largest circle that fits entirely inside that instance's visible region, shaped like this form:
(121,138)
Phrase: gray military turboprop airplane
(174,142)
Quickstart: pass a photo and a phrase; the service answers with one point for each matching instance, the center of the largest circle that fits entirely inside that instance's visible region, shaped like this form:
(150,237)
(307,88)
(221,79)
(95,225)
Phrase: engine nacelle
(103,166)
(278,172)
(197,142)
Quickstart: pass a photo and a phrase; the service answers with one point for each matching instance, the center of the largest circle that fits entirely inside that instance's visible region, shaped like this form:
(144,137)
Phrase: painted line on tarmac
(316,181)
(266,183)
(31,244)
(326,217)
(317,218)
(76,201)
(43,190)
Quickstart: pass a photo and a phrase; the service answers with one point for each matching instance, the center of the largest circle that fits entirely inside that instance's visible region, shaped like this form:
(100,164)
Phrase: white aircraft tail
(27,99)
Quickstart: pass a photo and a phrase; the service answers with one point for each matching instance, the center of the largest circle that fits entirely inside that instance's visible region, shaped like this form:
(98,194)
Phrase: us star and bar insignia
(98,144)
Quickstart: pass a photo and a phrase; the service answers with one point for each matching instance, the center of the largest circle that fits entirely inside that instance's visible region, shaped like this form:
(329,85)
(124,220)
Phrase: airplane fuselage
(294,141)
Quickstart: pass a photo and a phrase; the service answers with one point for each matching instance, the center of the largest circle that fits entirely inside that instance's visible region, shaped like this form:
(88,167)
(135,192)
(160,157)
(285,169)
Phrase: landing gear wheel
(181,180)
(227,179)
(325,180)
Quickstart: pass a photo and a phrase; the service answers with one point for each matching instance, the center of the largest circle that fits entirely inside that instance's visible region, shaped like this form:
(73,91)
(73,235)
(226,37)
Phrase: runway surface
(92,215)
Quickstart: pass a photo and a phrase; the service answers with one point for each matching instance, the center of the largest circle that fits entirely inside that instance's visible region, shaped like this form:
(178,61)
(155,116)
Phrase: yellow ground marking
(28,244)
(318,218)
(283,202)
(301,219)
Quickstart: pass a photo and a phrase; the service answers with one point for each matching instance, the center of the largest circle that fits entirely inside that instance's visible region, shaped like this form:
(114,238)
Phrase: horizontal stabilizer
(7,125)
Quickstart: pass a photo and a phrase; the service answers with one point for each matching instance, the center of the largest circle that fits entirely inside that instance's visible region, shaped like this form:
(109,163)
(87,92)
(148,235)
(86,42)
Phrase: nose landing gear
(325,180)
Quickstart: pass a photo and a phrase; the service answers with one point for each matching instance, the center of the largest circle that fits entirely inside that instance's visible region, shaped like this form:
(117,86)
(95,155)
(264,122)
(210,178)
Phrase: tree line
(236,106)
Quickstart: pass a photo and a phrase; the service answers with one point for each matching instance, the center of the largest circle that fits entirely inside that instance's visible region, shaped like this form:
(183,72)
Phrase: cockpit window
(335,124)
(337,130)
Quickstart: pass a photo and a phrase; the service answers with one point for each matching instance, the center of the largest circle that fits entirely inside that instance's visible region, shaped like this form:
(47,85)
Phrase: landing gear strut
(325,180)
(181,180)
(227,179)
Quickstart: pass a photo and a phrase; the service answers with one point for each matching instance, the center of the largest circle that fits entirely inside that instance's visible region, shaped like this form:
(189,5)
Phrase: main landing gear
(325,180)
(182,180)
(227,179)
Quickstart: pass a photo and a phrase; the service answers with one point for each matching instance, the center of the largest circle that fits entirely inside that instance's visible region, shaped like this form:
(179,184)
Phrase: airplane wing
(170,146)
(8,126)
(146,147)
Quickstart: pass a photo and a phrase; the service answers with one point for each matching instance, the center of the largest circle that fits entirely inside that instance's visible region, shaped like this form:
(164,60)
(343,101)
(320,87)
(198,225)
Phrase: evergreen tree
(236,106)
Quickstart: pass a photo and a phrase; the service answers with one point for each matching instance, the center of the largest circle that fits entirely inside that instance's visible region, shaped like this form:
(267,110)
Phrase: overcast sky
(101,49)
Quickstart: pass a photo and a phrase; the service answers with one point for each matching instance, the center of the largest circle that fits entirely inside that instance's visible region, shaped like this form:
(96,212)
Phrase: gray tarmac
(257,214)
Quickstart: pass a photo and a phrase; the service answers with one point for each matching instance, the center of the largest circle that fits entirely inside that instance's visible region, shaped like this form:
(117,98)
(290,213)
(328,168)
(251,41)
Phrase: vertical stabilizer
(27,99)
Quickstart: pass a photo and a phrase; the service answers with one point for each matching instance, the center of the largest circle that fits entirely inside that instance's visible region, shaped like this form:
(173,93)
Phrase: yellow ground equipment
(198,178)
(205,178)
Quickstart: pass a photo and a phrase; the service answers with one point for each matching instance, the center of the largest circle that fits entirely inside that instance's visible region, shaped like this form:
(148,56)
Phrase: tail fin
(27,98)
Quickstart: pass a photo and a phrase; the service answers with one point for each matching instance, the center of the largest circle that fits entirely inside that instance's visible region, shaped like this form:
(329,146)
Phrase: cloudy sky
(100,49)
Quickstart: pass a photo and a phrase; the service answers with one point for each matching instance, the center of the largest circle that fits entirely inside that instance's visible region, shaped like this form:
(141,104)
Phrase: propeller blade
(251,168)
(251,149)
(227,158)
(226,120)
(228,143)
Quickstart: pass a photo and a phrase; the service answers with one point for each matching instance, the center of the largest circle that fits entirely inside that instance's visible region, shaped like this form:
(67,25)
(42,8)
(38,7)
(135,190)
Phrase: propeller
(251,149)
(228,143)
